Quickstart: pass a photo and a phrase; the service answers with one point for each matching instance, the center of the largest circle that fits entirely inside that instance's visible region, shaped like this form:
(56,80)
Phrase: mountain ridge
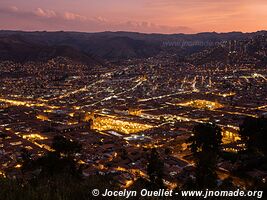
(102,46)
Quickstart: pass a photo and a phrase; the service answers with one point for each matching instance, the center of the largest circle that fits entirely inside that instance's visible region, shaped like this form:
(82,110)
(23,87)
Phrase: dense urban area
(122,112)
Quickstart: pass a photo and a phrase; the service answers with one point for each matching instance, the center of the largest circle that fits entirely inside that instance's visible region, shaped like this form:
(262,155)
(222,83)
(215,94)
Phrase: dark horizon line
(135,32)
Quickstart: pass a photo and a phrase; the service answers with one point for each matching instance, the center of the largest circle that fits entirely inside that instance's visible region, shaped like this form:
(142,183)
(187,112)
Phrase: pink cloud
(165,16)
(14,8)
(45,13)
(73,16)
(52,20)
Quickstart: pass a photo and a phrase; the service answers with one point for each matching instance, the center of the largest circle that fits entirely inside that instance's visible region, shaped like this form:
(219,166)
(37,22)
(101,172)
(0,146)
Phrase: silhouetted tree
(59,161)
(3,135)
(205,142)
(167,151)
(206,137)
(25,159)
(155,168)
(124,154)
(254,132)
(227,184)
(62,145)
(206,164)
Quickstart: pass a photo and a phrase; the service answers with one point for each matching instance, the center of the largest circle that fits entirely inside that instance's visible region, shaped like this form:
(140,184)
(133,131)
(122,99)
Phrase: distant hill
(105,45)
(16,48)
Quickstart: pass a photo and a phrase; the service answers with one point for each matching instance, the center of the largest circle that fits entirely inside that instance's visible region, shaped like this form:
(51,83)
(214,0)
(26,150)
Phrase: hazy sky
(161,16)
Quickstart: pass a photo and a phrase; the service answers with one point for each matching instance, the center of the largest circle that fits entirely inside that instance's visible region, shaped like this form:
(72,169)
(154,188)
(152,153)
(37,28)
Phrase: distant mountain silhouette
(105,45)
(15,48)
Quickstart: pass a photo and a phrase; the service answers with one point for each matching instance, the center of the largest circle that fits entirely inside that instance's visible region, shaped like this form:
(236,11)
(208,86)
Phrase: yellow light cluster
(48,111)
(230,136)
(26,103)
(2,174)
(88,116)
(152,146)
(34,137)
(225,94)
(18,166)
(77,107)
(72,123)
(202,104)
(128,183)
(135,112)
(230,150)
(228,94)
(133,171)
(42,117)
(126,127)
(71,114)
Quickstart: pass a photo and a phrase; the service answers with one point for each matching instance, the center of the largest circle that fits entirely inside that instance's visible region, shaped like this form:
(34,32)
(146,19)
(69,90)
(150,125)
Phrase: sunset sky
(158,16)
